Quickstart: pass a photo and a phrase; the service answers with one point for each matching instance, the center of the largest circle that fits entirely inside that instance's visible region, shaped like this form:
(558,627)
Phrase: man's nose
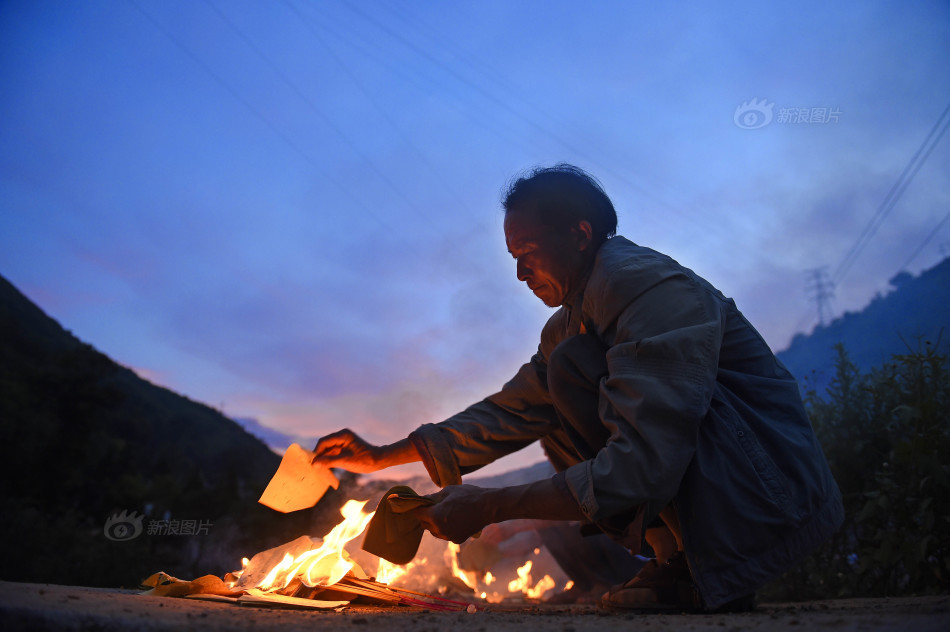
(522,270)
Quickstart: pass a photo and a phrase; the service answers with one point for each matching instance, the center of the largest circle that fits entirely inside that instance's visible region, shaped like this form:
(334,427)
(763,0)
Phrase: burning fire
(523,583)
(470,579)
(313,562)
(321,566)
(387,572)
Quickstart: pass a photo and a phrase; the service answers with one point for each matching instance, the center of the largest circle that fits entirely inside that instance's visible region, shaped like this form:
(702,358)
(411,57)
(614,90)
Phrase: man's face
(551,262)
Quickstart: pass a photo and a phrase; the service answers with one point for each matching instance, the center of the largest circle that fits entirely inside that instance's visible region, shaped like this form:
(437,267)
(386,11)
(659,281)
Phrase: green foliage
(886,434)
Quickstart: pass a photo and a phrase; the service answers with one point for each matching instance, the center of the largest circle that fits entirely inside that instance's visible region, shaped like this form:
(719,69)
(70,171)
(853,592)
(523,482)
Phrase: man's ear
(584,234)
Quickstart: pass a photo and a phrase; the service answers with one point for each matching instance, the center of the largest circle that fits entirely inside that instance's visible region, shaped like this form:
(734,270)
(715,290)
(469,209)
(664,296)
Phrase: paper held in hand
(298,483)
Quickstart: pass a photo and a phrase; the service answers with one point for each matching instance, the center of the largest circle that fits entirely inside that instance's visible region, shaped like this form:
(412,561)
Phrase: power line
(504,105)
(887,205)
(490,124)
(897,190)
(382,111)
(259,115)
(321,115)
(926,240)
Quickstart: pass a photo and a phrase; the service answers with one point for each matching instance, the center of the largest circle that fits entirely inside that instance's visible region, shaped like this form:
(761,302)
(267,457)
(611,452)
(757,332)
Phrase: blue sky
(290,210)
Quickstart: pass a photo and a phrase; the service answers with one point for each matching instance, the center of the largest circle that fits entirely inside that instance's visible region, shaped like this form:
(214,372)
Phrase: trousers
(575,370)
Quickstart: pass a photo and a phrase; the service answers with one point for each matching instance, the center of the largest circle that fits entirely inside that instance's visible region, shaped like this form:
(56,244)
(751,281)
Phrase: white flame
(324,565)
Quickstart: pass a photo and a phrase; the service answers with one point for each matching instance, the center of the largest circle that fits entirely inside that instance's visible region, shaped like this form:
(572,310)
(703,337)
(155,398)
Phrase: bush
(887,438)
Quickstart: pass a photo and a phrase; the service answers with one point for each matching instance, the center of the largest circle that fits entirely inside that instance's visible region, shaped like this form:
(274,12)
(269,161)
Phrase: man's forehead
(525,221)
(523,226)
(519,229)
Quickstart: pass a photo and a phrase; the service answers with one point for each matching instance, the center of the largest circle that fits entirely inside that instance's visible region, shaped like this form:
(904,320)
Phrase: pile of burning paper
(320,573)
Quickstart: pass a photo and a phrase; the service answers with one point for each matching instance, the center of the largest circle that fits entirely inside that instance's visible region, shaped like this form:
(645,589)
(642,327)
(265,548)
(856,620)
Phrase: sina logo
(753,114)
(123,526)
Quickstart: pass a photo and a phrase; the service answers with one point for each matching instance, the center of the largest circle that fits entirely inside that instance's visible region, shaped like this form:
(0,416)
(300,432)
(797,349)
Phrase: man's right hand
(346,450)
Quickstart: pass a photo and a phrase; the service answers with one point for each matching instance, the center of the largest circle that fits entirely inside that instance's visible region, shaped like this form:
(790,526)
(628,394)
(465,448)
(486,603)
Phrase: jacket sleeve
(661,371)
(516,416)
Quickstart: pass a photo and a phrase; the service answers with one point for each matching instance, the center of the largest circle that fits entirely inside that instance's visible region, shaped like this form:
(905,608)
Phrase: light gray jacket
(702,415)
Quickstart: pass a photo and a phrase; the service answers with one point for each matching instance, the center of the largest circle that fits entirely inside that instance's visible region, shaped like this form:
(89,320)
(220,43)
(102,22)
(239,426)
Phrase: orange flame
(524,578)
(315,562)
(544,584)
(523,583)
(468,578)
(321,566)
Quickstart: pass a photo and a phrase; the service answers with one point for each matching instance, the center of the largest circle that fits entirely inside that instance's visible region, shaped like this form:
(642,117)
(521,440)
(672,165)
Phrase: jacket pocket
(772,480)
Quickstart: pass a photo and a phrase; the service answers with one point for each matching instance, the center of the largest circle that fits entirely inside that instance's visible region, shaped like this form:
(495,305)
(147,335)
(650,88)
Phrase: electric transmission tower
(820,290)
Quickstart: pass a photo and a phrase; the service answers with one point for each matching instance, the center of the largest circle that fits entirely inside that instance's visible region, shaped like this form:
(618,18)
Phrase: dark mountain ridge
(916,312)
(84,440)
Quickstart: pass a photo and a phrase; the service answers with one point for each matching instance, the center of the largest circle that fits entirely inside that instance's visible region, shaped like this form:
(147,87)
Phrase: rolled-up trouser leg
(589,561)
(575,370)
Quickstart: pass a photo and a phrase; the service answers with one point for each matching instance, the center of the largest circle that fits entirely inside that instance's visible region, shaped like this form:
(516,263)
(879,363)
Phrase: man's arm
(516,416)
(345,449)
(505,422)
(463,510)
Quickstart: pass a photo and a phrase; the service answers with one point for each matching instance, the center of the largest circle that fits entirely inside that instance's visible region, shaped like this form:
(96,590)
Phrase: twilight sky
(290,209)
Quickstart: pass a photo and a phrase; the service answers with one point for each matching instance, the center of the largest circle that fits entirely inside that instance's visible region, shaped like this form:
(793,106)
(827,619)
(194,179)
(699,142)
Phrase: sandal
(666,587)
(577,595)
(657,587)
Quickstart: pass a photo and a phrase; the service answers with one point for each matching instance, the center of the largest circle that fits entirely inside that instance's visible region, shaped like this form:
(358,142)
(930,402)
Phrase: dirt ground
(52,607)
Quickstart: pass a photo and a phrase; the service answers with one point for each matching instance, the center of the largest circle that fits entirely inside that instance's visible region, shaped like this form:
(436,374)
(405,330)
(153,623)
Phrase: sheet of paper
(261,564)
(164,585)
(257,597)
(298,483)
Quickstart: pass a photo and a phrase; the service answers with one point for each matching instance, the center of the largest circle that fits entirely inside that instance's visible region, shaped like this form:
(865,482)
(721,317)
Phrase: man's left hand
(460,512)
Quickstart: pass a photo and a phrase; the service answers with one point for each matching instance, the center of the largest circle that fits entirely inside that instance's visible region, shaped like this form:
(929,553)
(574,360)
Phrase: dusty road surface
(52,607)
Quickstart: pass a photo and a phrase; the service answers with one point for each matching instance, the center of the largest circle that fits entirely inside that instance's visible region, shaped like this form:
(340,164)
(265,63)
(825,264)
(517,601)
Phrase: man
(663,411)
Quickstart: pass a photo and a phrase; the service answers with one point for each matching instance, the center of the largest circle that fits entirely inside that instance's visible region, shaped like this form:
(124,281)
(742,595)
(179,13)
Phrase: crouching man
(663,411)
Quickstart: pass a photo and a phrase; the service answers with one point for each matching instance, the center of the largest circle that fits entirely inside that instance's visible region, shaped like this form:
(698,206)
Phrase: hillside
(83,439)
(917,311)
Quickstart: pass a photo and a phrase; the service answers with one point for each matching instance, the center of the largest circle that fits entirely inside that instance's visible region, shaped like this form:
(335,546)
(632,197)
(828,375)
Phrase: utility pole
(821,290)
